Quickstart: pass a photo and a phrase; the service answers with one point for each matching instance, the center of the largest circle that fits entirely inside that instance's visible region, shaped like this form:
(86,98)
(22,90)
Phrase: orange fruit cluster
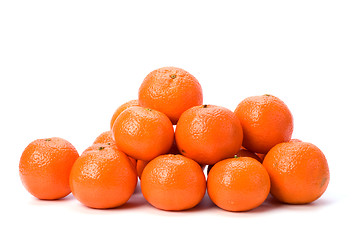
(249,153)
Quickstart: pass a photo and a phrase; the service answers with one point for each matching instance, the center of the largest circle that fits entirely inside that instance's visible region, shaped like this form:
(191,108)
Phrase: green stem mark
(173,76)
(101,148)
(47,139)
(148,109)
(204,106)
(236,156)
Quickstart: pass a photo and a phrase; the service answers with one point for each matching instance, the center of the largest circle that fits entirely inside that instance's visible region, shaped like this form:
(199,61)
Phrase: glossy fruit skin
(121,109)
(238,184)
(105,137)
(208,134)
(173,183)
(103,178)
(173,150)
(171,91)
(96,146)
(241,153)
(266,121)
(45,166)
(141,164)
(143,133)
(298,171)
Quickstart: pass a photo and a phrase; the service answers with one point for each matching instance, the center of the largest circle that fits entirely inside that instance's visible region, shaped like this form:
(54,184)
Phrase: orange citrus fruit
(103,178)
(266,121)
(171,91)
(143,133)
(241,153)
(298,171)
(45,166)
(173,182)
(121,109)
(208,134)
(105,137)
(238,184)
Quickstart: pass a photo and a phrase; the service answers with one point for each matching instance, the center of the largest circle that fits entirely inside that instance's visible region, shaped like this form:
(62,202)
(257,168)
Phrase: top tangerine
(171,91)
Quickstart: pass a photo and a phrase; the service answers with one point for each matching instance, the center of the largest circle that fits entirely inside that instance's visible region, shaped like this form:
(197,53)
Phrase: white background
(65,66)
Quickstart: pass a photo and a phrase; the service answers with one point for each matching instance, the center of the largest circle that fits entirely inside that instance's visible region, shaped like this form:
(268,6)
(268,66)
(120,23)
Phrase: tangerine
(241,153)
(45,166)
(171,91)
(105,137)
(103,178)
(173,182)
(143,133)
(298,171)
(121,109)
(266,121)
(208,134)
(238,184)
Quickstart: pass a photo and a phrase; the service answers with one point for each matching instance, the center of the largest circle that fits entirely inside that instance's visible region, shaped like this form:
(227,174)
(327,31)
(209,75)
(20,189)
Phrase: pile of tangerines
(249,153)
